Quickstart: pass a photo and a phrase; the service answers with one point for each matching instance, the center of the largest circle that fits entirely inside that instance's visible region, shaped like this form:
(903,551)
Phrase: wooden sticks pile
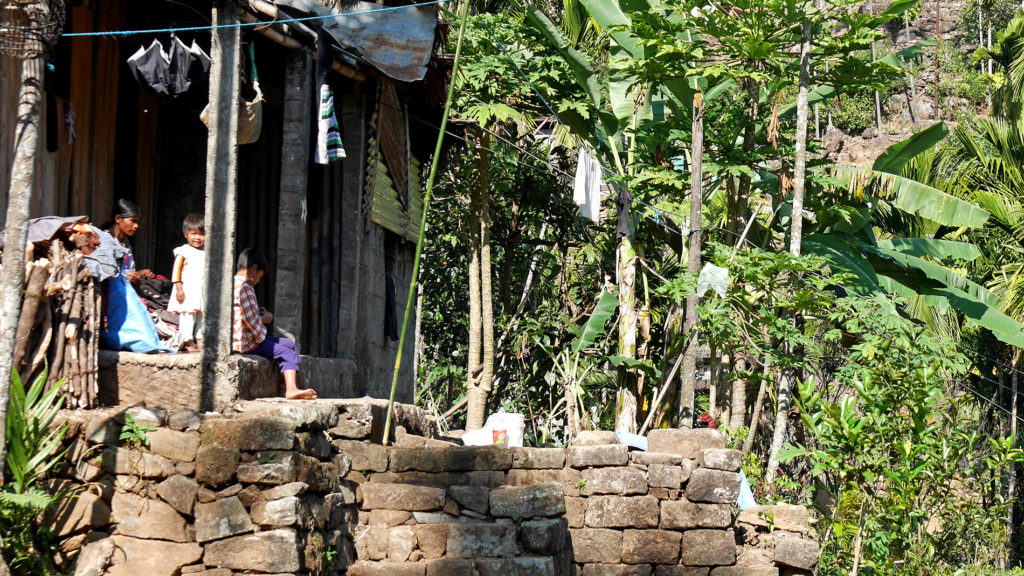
(60,324)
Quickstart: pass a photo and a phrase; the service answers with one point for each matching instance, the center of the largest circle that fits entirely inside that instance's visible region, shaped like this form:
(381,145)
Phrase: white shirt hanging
(587,189)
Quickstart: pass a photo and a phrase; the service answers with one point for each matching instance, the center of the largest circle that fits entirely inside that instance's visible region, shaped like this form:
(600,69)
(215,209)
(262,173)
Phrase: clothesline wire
(123,33)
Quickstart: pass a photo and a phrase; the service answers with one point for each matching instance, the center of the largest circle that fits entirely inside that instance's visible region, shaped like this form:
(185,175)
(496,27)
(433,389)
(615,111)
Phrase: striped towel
(328,138)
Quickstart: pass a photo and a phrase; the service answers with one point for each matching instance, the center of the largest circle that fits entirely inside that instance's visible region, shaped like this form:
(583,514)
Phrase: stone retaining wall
(279,487)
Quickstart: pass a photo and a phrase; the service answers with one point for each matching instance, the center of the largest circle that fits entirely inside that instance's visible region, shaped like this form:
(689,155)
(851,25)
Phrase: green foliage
(133,434)
(917,485)
(32,451)
(854,114)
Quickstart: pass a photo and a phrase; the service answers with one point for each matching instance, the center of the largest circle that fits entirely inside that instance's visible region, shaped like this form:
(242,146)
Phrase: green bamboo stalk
(414,283)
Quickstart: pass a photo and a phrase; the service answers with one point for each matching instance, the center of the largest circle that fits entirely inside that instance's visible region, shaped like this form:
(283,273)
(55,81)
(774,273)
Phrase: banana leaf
(900,154)
(920,247)
(582,69)
(944,276)
(844,258)
(634,364)
(594,326)
(912,197)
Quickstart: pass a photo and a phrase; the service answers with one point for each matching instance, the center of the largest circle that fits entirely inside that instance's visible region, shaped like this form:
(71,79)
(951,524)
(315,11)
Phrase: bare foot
(307,394)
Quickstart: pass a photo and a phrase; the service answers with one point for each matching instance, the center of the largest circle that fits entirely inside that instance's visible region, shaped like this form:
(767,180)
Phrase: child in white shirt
(188,279)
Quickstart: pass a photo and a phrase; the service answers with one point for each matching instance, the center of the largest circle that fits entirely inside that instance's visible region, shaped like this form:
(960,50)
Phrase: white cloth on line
(587,189)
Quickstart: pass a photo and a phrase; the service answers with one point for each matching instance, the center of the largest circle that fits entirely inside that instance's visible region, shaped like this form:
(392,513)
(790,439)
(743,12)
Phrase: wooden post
(221,184)
(291,220)
(353,110)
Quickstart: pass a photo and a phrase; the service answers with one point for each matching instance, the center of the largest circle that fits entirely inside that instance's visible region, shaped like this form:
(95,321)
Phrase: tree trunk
(755,417)
(738,408)
(737,205)
(912,95)
(12,277)
(938,37)
(624,419)
(486,292)
(874,56)
(1011,480)
(800,161)
(785,398)
(688,381)
(476,398)
(785,401)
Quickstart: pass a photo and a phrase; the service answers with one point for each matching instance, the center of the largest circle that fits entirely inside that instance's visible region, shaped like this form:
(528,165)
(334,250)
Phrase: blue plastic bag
(129,326)
(746,499)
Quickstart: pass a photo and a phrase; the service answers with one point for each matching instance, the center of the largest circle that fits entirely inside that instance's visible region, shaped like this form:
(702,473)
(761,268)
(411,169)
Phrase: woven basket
(29,28)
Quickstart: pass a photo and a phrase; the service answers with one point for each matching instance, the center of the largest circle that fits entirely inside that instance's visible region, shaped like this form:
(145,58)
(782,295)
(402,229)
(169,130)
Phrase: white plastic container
(513,426)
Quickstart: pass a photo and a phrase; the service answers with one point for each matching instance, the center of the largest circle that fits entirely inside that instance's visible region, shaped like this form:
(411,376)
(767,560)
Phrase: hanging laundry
(69,119)
(587,189)
(189,64)
(623,203)
(151,67)
(169,73)
(328,137)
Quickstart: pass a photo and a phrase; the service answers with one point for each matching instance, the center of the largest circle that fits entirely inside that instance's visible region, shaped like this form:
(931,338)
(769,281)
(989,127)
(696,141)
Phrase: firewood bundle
(59,326)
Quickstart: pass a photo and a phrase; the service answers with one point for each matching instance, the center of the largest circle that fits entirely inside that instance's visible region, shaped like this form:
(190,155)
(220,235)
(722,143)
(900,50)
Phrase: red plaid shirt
(248,330)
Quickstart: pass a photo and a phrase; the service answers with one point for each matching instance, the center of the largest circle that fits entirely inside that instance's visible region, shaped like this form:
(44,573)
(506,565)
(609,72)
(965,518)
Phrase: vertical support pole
(221,188)
(291,220)
(353,120)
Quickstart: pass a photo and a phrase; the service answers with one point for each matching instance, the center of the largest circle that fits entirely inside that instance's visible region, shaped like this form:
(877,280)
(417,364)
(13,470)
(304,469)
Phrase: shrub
(32,451)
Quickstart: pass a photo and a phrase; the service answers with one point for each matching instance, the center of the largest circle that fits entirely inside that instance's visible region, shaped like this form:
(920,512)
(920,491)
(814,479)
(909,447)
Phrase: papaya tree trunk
(486,292)
(785,396)
(688,381)
(800,161)
(755,417)
(737,205)
(738,408)
(476,398)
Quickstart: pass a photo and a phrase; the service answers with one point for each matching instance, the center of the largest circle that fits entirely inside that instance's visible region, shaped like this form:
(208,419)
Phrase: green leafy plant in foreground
(32,451)
(917,484)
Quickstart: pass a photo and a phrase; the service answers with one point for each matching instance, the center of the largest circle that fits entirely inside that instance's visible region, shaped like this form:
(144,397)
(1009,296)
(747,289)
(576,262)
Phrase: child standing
(249,330)
(188,278)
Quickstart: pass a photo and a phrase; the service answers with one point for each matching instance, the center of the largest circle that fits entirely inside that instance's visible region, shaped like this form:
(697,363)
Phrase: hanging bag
(250,114)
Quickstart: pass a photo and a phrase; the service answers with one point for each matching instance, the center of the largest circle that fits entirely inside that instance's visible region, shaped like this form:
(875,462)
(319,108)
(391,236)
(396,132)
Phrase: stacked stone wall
(306,488)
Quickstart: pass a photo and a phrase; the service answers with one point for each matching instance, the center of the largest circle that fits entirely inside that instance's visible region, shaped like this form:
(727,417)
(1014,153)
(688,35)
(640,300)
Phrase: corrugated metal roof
(397,42)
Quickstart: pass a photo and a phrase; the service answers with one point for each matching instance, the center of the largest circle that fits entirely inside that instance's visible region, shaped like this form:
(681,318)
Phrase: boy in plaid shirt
(249,328)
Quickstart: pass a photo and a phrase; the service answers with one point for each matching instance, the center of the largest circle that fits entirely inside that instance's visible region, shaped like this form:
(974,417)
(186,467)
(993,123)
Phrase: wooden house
(334,234)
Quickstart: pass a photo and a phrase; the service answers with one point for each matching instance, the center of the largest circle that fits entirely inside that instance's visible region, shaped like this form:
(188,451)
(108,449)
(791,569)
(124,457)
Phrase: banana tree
(846,237)
(609,121)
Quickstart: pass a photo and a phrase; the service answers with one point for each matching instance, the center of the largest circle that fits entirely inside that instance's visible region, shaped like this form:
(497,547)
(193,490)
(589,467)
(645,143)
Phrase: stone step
(174,381)
(539,566)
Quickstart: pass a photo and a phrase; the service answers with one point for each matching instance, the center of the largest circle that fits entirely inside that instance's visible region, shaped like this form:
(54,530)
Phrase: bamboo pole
(423,220)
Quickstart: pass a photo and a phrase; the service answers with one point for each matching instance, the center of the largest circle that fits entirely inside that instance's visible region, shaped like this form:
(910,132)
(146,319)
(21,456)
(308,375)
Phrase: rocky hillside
(853,138)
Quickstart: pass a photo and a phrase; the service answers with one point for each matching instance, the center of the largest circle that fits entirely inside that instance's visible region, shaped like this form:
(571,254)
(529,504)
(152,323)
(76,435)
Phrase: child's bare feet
(300,394)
